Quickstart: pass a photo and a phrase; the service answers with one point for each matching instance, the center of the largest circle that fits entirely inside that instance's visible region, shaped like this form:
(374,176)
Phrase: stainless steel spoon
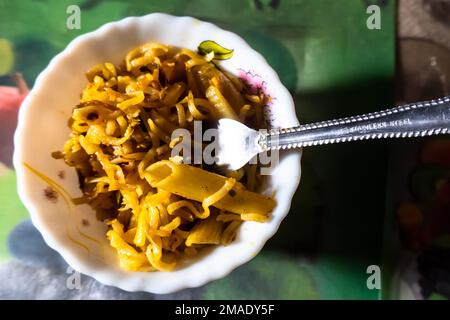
(238,143)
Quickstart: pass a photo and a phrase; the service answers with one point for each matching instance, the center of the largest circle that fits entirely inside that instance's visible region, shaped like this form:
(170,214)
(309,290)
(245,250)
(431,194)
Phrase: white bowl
(42,129)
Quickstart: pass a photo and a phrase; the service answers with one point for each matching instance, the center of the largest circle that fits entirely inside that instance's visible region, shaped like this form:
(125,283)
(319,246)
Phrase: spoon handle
(412,120)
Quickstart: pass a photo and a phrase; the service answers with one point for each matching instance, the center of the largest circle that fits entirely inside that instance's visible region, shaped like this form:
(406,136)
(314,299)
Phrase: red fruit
(436,151)
(10,100)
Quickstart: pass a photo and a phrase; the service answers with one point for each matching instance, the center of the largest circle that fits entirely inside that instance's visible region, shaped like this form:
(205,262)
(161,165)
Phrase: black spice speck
(92,116)
(61,174)
(51,194)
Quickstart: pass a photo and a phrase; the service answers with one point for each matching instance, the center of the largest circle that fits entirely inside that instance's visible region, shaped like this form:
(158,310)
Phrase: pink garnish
(254,84)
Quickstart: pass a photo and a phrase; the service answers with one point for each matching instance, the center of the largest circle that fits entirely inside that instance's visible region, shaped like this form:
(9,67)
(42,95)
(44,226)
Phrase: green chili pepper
(220,53)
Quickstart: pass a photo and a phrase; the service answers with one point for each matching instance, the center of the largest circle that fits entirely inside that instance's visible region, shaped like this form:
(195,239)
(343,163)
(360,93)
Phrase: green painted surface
(11,209)
(334,66)
(272,275)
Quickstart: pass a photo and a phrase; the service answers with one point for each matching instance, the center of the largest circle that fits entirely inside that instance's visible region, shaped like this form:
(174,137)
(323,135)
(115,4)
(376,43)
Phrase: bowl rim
(35,213)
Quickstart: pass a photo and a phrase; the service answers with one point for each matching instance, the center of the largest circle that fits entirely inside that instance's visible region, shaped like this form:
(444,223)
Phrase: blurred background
(362,204)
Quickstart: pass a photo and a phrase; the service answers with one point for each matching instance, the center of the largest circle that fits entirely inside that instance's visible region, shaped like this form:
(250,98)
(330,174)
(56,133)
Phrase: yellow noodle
(218,195)
(181,114)
(229,233)
(121,143)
